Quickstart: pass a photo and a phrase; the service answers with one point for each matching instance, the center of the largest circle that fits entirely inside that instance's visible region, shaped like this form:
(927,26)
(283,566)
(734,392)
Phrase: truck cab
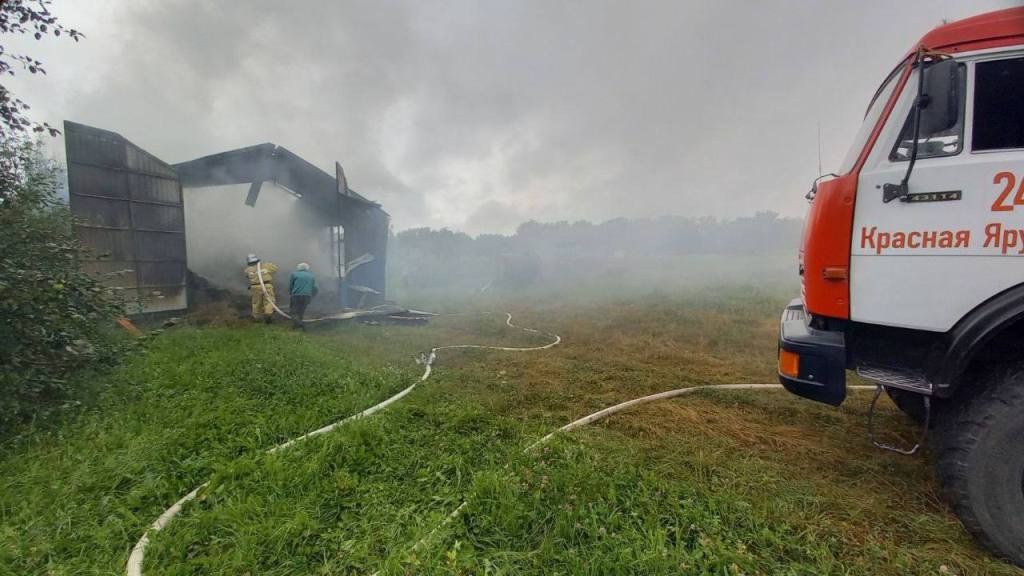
(912,265)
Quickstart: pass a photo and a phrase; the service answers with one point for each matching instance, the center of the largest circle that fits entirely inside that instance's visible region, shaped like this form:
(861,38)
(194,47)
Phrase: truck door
(957,239)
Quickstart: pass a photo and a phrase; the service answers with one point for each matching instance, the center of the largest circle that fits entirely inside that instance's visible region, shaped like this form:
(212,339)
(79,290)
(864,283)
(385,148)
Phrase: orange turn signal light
(789,363)
(835,273)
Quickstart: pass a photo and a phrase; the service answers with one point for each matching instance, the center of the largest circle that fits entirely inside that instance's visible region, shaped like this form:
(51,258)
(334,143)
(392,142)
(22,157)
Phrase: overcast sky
(479,115)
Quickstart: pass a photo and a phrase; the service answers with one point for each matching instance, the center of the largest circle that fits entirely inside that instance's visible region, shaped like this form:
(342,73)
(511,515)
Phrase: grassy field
(723,483)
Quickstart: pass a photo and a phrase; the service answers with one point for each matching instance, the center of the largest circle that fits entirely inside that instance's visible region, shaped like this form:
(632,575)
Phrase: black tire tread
(962,425)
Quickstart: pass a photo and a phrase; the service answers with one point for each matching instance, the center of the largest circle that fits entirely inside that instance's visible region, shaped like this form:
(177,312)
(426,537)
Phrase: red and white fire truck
(912,266)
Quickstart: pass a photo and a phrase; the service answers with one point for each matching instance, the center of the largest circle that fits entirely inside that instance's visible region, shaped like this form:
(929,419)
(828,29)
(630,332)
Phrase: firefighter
(301,289)
(262,303)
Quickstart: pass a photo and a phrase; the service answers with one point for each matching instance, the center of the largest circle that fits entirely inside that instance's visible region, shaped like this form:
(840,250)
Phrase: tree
(55,317)
(25,17)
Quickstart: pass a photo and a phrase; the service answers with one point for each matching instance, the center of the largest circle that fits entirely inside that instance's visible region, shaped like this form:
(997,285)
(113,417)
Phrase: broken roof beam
(254,193)
(270,162)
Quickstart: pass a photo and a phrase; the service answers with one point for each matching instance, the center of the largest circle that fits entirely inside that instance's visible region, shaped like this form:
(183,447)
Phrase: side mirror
(936,110)
(940,100)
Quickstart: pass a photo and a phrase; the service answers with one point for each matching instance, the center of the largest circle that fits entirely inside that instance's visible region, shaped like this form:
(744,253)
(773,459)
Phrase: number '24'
(1010,180)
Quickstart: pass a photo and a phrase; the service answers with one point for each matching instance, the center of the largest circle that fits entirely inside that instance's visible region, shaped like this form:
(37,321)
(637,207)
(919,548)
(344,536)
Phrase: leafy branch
(23,17)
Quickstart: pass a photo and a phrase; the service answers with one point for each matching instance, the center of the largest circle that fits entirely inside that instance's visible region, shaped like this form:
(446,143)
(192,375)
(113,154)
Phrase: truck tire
(909,403)
(980,462)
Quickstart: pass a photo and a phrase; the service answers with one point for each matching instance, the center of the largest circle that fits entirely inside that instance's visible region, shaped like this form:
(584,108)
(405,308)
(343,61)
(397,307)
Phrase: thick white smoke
(280,228)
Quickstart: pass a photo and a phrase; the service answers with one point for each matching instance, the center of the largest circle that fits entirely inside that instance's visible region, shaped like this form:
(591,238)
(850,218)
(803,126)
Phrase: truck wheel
(980,462)
(909,403)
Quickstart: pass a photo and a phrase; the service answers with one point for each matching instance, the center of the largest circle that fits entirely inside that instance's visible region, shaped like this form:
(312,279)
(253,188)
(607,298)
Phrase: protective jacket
(268,268)
(262,303)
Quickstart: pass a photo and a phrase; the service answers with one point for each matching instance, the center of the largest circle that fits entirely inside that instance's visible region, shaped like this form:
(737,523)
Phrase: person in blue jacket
(301,288)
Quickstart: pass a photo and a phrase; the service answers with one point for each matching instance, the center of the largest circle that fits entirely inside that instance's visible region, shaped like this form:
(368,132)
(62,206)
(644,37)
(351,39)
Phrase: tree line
(431,258)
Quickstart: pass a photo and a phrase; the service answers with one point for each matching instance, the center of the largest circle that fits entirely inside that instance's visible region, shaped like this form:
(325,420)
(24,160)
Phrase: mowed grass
(722,482)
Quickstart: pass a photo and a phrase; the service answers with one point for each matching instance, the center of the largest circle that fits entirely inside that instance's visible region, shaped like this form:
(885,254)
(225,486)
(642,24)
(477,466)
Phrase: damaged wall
(139,214)
(366,225)
(280,228)
(128,209)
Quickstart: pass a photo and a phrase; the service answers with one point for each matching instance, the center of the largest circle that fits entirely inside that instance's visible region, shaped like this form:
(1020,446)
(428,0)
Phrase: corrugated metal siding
(161,217)
(129,209)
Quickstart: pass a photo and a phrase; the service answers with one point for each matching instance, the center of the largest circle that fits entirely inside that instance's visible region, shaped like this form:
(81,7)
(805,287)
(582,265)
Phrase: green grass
(719,483)
(74,497)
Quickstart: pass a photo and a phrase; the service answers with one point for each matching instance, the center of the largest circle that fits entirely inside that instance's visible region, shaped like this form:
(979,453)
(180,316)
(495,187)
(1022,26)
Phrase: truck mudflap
(812,363)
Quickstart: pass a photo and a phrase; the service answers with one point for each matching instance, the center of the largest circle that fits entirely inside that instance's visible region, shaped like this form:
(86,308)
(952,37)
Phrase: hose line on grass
(135,559)
(601,415)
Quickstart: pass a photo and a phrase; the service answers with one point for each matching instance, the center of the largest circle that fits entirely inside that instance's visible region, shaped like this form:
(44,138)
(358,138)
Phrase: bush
(54,317)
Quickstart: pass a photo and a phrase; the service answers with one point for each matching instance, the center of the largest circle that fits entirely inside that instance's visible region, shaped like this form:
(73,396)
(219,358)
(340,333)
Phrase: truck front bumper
(812,363)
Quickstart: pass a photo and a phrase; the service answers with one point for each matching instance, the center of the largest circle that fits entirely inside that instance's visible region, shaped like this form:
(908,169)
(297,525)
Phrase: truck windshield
(871,118)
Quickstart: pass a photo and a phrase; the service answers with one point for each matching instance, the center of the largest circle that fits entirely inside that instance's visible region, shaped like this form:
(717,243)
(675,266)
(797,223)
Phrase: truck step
(897,378)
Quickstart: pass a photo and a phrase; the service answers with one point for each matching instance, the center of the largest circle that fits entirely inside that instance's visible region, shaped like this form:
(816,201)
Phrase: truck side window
(945,143)
(998,104)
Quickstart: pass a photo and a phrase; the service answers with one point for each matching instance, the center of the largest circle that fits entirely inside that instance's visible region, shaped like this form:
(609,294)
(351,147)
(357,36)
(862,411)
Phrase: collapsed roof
(270,162)
(365,223)
(131,211)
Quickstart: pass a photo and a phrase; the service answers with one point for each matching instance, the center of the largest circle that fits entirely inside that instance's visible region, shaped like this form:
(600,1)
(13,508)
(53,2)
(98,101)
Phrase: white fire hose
(337,316)
(135,559)
(601,415)
(273,301)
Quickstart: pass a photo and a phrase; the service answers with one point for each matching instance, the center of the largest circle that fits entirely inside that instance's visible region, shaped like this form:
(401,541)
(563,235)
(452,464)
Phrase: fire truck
(912,267)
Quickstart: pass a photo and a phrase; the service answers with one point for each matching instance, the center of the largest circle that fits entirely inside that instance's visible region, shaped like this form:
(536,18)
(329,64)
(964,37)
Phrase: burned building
(149,222)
